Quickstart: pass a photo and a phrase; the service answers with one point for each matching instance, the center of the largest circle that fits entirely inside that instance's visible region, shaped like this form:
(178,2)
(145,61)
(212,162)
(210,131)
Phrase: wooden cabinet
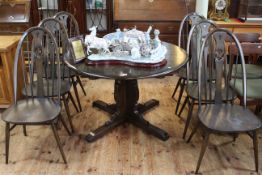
(98,14)
(164,15)
(77,8)
(250,11)
(14,16)
(8,46)
(86,12)
(238,26)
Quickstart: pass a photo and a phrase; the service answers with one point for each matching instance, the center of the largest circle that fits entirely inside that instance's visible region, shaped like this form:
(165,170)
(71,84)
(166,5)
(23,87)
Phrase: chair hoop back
(61,36)
(194,18)
(196,36)
(70,23)
(38,48)
(58,30)
(216,41)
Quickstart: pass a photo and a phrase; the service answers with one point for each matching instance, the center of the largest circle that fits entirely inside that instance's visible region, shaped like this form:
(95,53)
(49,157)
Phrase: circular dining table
(126,91)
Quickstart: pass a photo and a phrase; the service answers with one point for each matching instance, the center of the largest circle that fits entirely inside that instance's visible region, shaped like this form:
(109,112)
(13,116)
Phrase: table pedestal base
(126,109)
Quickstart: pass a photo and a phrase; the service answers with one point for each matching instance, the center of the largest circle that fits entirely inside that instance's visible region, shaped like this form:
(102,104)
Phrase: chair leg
(180,94)
(234,137)
(24,130)
(177,85)
(193,132)
(183,106)
(7,140)
(258,109)
(202,152)
(68,113)
(81,85)
(76,94)
(58,142)
(73,101)
(64,124)
(189,116)
(255,145)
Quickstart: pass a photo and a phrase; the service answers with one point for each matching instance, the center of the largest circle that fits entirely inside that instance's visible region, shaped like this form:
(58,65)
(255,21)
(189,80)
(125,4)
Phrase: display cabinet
(47,8)
(163,15)
(8,46)
(90,13)
(96,14)
(239,13)
(250,10)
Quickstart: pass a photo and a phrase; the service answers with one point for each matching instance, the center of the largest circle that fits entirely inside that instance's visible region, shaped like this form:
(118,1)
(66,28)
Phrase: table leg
(102,130)
(110,108)
(126,109)
(142,108)
(138,120)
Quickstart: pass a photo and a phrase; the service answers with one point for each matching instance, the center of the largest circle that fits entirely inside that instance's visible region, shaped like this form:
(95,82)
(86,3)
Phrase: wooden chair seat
(32,111)
(228,95)
(253,71)
(253,51)
(254,88)
(229,118)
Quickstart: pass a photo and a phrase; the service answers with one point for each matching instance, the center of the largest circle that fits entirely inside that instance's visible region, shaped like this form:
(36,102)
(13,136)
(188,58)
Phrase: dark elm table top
(175,56)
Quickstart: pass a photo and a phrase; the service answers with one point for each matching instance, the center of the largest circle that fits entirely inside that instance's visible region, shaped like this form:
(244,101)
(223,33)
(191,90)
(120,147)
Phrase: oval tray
(127,63)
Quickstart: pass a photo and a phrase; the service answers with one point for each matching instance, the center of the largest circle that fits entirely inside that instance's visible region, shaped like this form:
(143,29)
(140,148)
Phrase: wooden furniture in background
(250,10)
(85,16)
(150,12)
(77,8)
(163,15)
(14,16)
(99,15)
(238,26)
(8,46)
